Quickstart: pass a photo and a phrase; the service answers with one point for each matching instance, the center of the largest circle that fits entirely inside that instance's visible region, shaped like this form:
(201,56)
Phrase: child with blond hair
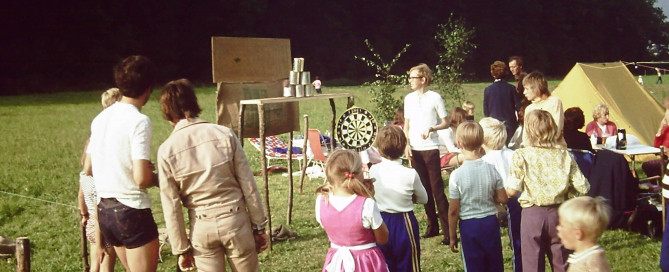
(345,208)
(546,174)
(87,201)
(582,221)
(468,106)
(497,154)
(396,190)
(474,189)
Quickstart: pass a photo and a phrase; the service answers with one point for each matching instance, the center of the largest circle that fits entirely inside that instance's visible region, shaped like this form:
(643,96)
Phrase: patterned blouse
(546,176)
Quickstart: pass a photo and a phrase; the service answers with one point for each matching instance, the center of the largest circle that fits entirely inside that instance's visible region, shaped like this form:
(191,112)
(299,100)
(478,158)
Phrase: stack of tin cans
(300,80)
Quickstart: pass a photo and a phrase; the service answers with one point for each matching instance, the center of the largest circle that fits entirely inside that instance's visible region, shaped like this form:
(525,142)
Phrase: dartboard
(356,129)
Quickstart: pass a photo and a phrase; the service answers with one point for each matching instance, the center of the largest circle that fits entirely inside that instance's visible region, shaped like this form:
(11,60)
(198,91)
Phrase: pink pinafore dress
(346,234)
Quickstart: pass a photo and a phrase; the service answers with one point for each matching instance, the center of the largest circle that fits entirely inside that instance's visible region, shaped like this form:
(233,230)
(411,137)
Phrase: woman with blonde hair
(600,125)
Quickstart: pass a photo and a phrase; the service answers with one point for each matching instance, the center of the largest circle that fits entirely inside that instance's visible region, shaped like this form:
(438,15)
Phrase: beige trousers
(220,233)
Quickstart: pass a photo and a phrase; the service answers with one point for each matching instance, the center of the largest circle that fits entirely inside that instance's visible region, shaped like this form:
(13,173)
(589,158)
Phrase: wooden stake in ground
(84,247)
(304,151)
(22,254)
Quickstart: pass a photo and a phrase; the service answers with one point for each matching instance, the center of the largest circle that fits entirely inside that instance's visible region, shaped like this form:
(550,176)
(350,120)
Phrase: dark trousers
(481,244)
(515,214)
(664,253)
(402,251)
(426,163)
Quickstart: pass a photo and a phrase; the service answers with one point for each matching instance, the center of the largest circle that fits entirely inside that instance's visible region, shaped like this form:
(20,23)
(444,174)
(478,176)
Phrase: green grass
(43,137)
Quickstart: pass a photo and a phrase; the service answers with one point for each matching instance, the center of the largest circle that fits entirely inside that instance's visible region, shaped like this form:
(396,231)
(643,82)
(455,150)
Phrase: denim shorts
(126,226)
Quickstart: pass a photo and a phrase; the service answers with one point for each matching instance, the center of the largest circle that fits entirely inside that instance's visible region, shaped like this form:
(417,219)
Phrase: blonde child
(87,200)
(345,208)
(468,106)
(474,189)
(546,174)
(494,137)
(396,190)
(110,97)
(582,221)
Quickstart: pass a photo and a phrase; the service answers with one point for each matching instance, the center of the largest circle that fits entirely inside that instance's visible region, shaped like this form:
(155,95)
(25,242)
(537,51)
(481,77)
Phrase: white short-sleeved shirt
(395,185)
(447,142)
(371,216)
(474,183)
(119,135)
(423,112)
(501,159)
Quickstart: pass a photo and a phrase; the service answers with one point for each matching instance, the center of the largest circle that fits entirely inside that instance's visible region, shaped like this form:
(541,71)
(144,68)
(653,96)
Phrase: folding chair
(273,143)
(319,157)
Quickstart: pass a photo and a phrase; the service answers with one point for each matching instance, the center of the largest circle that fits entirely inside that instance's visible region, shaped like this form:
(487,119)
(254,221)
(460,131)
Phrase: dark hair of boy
(134,75)
(391,142)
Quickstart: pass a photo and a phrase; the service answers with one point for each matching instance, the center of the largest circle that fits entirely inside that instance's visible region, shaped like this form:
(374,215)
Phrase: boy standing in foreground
(396,189)
(582,221)
(474,189)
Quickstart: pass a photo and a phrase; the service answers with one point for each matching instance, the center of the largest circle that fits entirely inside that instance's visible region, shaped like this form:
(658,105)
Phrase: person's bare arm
(511,192)
(83,209)
(407,150)
(501,196)
(440,126)
(88,167)
(453,217)
(381,234)
(142,173)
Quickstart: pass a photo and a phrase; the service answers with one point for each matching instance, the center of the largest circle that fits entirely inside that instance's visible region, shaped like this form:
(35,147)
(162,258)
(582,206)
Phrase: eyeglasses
(415,77)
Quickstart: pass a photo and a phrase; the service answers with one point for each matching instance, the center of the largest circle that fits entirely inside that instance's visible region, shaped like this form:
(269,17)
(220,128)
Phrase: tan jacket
(202,165)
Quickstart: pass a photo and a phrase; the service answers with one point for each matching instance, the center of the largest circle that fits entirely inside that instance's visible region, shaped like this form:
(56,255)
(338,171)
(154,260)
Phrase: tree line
(69,45)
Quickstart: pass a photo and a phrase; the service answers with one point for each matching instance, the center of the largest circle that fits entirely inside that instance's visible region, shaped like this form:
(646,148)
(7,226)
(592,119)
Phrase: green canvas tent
(630,106)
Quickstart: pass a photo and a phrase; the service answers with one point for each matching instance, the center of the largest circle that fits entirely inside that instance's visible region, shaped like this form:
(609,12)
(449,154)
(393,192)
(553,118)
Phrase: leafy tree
(455,45)
(385,82)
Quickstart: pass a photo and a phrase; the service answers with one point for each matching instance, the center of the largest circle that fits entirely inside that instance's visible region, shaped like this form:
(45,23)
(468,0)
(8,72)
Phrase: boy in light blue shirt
(474,188)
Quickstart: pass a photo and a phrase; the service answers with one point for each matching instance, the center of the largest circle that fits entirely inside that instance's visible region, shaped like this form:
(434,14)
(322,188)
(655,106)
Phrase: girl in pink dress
(350,217)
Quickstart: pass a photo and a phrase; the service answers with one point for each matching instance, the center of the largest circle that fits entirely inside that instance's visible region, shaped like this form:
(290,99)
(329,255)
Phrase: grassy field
(44,137)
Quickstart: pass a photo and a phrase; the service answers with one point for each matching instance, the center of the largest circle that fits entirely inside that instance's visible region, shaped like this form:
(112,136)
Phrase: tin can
(298,64)
(305,78)
(294,77)
(299,90)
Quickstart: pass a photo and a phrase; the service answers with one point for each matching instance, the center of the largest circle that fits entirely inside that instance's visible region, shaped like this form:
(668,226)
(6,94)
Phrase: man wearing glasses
(422,109)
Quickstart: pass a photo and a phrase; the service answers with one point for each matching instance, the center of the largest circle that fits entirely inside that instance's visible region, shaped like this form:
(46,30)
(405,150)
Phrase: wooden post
(332,125)
(663,167)
(263,165)
(22,254)
(304,151)
(240,128)
(84,247)
(290,178)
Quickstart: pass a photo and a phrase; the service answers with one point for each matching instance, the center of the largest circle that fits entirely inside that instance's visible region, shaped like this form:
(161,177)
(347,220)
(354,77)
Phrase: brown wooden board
(250,59)
(280,117)
(252,68)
